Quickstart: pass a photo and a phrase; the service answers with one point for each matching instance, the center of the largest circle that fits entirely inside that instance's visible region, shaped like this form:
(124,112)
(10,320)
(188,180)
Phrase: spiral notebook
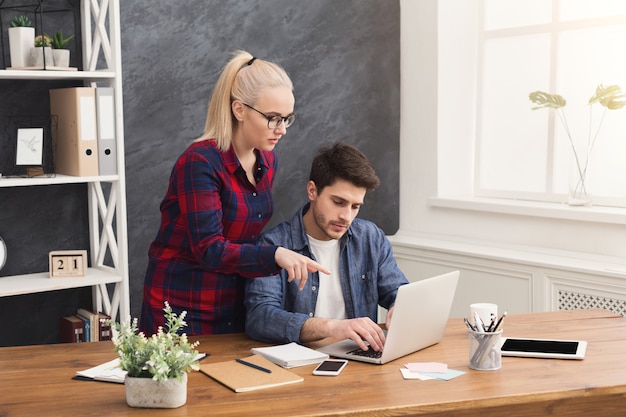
(291,355)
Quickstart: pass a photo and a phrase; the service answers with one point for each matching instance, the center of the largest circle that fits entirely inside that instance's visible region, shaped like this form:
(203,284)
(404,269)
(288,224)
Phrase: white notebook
(290,355)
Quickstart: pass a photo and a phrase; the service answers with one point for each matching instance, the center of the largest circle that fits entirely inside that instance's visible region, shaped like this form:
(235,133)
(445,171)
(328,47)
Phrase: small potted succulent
(41,53)
(60,54)
(21,40)
(156,366)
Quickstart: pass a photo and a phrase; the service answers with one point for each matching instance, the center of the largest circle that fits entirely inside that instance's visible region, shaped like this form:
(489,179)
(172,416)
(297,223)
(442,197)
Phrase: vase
(37,57)
(580,170)
(61,57)
(21,40)
(148,393)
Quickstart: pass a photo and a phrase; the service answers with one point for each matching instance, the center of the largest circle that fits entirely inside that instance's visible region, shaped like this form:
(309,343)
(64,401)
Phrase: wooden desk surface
(36,380)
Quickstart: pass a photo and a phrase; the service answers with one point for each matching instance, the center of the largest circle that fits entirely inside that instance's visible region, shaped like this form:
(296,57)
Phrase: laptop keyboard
(369,353)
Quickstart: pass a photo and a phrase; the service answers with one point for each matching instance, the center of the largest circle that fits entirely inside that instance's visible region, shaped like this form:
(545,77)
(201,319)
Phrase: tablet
(543,348)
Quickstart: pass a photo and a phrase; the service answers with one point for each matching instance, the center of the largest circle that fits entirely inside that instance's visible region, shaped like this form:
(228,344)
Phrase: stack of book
(84,326)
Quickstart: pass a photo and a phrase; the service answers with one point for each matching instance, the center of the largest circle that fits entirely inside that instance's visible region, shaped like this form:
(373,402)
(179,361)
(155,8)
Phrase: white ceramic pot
(21,40)
(61,57)
(37,56)
(148,393)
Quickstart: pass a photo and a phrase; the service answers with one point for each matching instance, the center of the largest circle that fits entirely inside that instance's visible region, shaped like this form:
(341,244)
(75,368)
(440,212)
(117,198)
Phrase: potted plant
(156,366)
(60,54)
(611,98)
(41,54)
(21,39)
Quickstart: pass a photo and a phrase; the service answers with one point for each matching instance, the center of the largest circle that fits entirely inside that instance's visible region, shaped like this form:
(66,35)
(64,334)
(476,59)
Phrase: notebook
(242,378)
(290,355)
(420,316)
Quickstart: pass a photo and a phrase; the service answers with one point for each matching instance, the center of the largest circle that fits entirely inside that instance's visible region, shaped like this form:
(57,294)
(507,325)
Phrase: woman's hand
(297,266)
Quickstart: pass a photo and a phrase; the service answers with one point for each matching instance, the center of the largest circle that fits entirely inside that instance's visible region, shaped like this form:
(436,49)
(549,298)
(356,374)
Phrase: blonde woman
(218,200)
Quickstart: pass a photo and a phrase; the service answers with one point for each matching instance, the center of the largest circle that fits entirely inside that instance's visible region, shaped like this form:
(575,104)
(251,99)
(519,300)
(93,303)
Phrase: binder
(76,150)
(71,330)
(107,147)
(104,329)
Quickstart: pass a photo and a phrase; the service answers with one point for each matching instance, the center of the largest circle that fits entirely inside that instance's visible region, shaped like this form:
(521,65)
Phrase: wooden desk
(36,380)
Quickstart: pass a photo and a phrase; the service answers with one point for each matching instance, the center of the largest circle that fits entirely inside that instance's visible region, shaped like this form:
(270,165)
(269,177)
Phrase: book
(243,378)
(291,355)
(93,321)
(86,327)
(71,330)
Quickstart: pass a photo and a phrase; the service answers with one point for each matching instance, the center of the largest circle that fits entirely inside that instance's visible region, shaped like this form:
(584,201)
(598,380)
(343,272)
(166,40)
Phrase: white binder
(107,146)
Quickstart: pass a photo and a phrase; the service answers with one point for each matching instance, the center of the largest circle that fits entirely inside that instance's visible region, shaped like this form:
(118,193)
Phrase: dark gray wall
(343,57)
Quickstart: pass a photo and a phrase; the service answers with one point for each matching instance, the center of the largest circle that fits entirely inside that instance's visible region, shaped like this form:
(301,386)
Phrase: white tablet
(543,348)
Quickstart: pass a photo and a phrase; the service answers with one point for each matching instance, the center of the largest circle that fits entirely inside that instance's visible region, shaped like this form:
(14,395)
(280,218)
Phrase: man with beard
(364,273)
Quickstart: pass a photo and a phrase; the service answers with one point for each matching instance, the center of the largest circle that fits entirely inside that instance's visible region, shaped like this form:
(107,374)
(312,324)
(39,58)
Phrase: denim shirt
(277,310)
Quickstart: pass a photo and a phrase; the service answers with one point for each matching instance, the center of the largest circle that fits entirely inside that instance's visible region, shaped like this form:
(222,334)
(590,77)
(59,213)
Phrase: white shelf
(55,179)
(56,75)
(106,205)
(41,282)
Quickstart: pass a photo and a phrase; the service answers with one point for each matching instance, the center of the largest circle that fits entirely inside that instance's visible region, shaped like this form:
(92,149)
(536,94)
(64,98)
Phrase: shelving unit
(106,194)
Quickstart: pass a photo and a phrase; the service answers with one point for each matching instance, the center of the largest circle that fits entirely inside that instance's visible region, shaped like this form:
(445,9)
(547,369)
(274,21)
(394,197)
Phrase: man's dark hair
(342,161)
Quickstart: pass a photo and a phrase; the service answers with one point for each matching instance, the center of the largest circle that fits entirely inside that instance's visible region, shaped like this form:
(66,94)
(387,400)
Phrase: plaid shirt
(211,218)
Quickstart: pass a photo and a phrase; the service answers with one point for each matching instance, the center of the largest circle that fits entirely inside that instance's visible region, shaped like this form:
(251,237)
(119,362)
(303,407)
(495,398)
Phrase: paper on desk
(109,371)
(437,367)
(407,374)
(112,371)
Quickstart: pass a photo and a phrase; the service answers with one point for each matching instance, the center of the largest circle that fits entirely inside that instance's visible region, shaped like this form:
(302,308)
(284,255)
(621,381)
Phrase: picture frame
(29,148)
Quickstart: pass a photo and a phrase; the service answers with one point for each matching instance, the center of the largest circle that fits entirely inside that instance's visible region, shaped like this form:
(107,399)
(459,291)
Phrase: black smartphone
(330,367)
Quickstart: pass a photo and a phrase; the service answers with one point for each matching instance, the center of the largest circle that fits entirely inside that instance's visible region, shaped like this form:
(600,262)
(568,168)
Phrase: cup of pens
(484,333)
(484,350)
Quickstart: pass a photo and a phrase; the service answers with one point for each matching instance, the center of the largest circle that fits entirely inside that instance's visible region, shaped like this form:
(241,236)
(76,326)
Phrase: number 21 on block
(68,263)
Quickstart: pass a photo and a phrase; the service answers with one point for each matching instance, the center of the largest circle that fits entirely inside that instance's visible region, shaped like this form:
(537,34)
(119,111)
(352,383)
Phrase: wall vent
(576,301)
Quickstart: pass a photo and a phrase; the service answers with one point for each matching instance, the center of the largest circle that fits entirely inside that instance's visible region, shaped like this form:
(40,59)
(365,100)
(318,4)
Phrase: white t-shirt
(330,303)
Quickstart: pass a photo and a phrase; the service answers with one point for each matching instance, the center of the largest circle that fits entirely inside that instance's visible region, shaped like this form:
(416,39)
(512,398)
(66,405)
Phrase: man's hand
(389,314)
(297,266)
(360,330)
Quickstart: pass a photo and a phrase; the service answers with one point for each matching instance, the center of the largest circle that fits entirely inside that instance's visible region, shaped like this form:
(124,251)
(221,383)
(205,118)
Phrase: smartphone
(330,367)
(543,348)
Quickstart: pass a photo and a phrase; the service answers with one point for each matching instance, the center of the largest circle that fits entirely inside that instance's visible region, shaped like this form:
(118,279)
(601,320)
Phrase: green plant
(20,21)
(167,354)
(611,98)
(58,41)
(43,40)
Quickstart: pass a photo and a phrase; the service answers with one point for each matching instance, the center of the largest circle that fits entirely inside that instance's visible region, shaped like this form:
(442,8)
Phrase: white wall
(514,234)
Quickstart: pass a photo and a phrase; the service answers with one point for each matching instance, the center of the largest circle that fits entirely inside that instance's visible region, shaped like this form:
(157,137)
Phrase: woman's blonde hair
(243,77)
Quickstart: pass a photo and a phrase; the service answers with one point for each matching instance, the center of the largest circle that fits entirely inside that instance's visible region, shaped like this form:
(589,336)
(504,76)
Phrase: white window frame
(552,29)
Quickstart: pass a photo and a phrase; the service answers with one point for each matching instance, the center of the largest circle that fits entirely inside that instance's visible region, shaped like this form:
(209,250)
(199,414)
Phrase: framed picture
(29,146)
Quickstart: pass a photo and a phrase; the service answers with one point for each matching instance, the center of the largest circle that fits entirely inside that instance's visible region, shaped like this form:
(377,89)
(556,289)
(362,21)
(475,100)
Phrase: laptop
(420,316)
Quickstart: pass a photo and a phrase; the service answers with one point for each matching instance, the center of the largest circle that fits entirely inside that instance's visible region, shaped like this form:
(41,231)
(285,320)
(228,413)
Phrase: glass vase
(580,170)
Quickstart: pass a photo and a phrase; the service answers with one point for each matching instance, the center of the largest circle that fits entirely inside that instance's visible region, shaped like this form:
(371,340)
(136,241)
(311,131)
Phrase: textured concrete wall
(342,55)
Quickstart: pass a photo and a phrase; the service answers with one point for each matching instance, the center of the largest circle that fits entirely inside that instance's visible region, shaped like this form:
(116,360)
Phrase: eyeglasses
(274,121)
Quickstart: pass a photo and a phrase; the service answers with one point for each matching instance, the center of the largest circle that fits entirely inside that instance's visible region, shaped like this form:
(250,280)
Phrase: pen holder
(484,350)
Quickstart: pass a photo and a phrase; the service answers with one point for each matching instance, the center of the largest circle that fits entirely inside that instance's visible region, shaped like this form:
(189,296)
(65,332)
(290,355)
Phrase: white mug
(485,311)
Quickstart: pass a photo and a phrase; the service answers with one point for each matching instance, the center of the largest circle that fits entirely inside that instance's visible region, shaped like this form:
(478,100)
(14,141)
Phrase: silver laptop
(419,319)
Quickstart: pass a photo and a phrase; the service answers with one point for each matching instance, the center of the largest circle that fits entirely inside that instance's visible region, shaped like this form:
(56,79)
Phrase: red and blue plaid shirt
(211,218)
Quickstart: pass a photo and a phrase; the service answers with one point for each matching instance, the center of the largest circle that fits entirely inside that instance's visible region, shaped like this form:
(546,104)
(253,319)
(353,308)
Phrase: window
(567,47)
